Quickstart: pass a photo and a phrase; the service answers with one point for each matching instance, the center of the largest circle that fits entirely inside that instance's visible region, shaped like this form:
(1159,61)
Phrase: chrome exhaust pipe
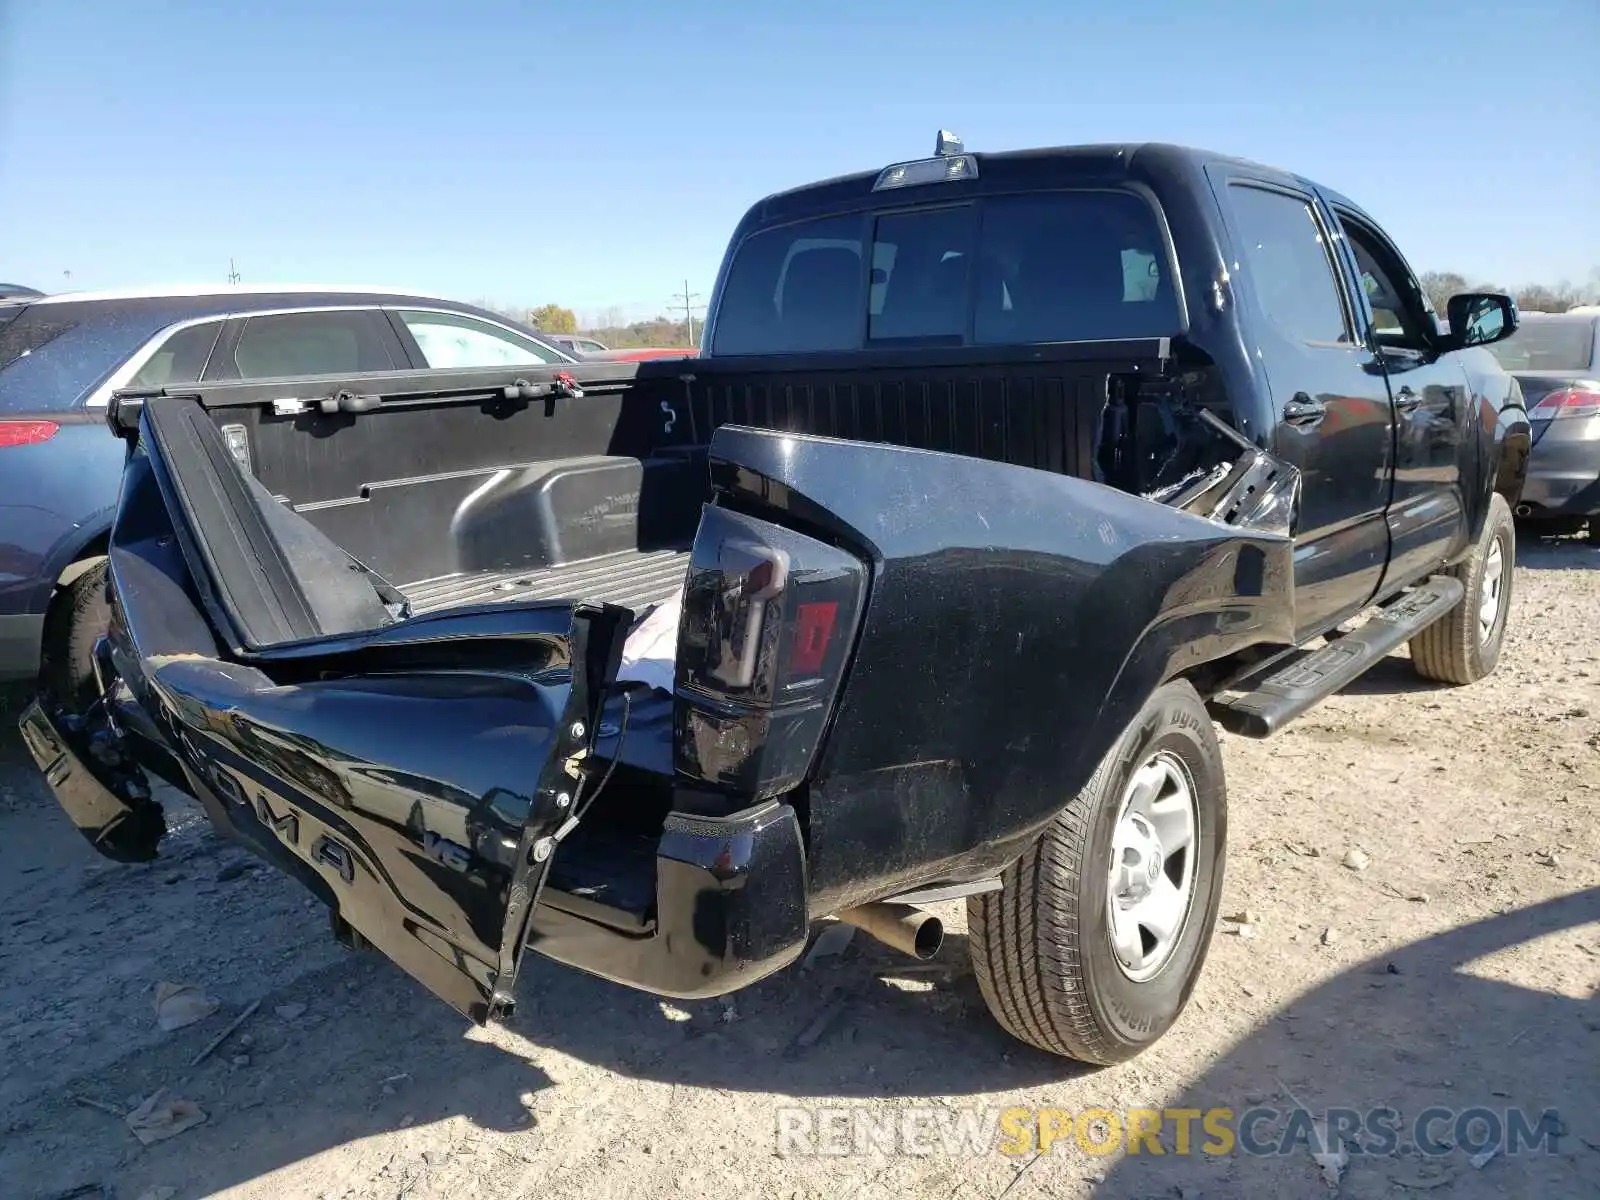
(1522,510)
(906,929)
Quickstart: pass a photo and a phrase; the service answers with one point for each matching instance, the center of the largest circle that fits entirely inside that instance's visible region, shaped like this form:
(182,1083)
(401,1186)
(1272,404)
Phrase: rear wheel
(77,617)
(1098,934)
(1464,645)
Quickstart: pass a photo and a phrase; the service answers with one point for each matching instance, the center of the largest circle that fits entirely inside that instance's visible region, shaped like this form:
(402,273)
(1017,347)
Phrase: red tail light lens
(768,618)
(813,630)
(26,433)
(1580,400)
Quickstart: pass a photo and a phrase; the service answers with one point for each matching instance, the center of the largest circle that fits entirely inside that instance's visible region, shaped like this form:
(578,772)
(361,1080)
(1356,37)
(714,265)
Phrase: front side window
(455,340)
(1289,264)
(331,342)
(1398,318)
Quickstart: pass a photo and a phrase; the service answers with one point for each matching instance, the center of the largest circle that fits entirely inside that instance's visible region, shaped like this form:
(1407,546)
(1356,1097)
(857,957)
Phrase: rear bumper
(730,909)
(1563,479)
(21,635)
(730,892)
(109,804)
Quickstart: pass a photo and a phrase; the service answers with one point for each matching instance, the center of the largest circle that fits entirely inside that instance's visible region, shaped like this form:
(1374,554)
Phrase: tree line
(609,325)
(1533,297)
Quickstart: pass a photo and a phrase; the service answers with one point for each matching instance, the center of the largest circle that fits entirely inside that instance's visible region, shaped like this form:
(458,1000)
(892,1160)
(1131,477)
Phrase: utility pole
(686,301)
(233,274)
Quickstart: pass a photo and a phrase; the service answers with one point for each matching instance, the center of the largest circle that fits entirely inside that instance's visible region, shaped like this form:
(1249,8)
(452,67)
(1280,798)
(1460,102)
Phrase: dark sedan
(61,357)
(1556,359)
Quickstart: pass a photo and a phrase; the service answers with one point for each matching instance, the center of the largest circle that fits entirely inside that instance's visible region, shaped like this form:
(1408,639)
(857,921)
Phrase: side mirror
(1478,318)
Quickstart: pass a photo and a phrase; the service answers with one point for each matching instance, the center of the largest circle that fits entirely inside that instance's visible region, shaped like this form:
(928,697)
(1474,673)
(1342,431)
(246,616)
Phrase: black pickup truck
(1000,479)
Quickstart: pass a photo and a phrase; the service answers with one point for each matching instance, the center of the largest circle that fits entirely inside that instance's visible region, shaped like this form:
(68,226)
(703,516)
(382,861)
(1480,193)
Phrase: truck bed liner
(633,578)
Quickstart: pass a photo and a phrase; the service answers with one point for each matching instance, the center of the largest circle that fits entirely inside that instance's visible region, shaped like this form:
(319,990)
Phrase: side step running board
(1279,698)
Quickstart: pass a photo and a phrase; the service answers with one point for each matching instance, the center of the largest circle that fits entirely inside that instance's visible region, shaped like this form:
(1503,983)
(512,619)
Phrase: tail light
(26,433)
(1579,400)
(769,616)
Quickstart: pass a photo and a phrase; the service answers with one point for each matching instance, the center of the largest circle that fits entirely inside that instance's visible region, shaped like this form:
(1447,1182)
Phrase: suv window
(180,359)
(455,340)
(1289,264)
(1036,267)
(331,342)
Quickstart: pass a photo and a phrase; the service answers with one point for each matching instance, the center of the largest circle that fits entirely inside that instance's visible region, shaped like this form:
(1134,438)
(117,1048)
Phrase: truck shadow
(1426,1029)
(1538,552)
(372,1054)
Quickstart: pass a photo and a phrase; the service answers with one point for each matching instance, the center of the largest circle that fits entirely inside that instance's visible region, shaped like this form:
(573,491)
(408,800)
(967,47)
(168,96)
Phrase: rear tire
(1043,946)
(77,617)
(1463,646)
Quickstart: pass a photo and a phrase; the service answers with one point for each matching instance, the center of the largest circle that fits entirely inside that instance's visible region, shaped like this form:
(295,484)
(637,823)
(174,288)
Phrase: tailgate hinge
(597,640)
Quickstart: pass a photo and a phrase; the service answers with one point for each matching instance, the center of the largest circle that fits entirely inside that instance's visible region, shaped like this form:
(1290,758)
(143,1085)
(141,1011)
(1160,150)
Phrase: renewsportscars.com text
(1260,1130)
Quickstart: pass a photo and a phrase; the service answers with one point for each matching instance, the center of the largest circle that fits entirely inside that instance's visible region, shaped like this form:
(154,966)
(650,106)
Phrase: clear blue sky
(600,153)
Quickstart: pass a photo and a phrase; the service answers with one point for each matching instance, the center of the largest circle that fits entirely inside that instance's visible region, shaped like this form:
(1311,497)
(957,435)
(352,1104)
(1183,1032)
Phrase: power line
(686,301)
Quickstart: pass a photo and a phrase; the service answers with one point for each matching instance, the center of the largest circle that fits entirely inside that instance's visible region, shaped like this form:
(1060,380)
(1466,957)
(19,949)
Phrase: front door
(1333,416)
(1430,393)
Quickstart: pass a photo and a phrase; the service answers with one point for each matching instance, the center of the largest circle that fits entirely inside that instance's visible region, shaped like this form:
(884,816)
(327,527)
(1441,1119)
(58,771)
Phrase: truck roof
(1009,169)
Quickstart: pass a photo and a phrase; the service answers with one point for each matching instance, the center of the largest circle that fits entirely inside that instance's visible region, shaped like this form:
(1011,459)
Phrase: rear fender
(1016,622)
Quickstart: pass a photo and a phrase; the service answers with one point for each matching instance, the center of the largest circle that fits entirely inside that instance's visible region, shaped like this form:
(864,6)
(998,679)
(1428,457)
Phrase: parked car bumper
(1564,474)
(21,635)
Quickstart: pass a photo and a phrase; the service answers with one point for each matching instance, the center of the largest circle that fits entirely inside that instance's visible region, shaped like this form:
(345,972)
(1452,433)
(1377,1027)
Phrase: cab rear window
(1037,267)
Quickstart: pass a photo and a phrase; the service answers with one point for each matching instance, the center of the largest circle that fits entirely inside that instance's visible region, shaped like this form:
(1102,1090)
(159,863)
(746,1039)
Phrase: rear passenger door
(1333,418)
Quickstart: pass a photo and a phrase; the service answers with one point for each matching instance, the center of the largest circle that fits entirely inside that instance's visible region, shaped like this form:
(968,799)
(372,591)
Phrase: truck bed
(634,578)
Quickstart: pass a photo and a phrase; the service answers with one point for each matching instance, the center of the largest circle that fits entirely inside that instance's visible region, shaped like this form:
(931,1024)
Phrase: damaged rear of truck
(945,618)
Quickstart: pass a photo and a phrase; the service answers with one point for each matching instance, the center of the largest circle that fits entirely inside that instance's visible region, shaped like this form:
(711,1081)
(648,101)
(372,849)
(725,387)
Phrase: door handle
(1303,410)
(1406,399)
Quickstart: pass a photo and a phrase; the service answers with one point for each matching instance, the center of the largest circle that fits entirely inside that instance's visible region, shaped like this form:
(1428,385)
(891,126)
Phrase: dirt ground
(1460,968)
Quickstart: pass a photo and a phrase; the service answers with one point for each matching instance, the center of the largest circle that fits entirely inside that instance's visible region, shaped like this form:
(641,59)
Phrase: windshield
(1006,270)
(1548,344)
(52,354)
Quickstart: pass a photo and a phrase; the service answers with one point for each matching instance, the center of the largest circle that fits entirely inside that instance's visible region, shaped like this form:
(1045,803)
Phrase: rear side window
(334,342)
(179,359)
(1037,267)
(1289,263)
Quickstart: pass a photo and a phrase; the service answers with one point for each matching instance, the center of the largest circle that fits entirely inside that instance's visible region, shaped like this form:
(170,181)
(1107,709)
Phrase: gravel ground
(1458,967)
